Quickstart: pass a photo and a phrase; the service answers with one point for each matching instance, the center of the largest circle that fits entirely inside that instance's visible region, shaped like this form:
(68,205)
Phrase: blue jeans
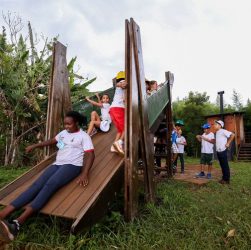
(222,157)
(46,185)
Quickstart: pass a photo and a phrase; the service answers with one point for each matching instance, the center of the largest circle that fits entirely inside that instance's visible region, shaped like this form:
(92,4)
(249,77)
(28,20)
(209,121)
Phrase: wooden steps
(245,152)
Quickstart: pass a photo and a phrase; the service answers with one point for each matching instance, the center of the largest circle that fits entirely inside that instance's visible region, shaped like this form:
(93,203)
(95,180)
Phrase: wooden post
(59,101)
(236,136)
(146,140)
(131,129)
(169,123)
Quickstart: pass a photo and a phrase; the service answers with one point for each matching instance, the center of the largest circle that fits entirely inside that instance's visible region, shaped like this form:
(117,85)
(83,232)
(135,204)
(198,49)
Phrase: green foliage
(247,116)
(24,76)
(21,85)
(79,90)
(8,174)
(237,101)
(192,110)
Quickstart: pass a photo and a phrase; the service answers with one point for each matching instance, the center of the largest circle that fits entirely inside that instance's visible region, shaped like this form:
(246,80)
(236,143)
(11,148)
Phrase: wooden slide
(84,206)
(72,201)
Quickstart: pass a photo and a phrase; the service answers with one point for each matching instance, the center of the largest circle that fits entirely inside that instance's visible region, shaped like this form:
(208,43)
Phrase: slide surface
(73,201)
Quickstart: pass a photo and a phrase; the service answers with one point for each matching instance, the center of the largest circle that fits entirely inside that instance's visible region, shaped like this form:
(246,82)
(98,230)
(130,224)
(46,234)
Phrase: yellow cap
(120,75)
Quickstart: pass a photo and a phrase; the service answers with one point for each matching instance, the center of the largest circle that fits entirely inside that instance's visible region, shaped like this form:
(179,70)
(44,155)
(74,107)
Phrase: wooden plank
(131,130)
(103,201)
(77,202)
(101,185)
(146,139)
(11,187)
(79,198)
(169,123)
(59,94)
(68,195)
(6,200)
(156,103)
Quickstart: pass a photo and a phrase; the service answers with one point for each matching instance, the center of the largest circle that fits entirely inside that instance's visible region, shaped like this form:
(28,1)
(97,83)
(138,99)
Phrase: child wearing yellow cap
(117,113)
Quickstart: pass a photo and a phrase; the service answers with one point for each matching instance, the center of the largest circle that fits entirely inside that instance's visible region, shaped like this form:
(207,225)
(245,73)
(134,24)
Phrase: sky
(206,44)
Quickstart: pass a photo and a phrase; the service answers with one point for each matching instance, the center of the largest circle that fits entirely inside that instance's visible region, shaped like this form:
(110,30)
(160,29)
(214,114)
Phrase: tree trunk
(6,153)
(12,145)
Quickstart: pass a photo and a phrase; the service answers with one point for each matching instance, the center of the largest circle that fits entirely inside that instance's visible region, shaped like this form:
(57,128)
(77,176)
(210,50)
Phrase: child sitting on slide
(103,122)
(75,157)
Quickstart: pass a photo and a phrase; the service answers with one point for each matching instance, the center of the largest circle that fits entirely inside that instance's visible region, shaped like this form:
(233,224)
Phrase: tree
(24,76)
(192,110)
(237,101)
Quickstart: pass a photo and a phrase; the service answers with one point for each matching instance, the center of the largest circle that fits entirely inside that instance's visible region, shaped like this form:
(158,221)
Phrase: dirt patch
(192,170)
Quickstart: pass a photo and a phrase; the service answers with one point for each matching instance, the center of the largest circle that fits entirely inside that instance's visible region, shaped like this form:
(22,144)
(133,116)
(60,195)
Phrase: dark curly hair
(77,117)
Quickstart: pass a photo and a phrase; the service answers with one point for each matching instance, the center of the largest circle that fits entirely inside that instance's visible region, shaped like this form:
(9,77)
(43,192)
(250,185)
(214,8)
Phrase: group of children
(114,112)
(75,155)
(222,139)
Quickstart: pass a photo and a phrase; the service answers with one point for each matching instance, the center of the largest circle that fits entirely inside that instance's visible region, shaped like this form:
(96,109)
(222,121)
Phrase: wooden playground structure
(110,172)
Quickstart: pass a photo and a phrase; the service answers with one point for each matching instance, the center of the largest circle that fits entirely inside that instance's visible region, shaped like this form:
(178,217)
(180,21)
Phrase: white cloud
(206,44)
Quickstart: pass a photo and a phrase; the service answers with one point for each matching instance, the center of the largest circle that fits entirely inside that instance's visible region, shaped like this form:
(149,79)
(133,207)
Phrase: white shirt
(105,112)
(180,140)
(118,99)
(72,147)
(221,139)
(207,147)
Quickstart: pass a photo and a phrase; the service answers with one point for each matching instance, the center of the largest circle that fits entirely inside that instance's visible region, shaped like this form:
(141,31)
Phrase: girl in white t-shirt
(103,122)
(74,159)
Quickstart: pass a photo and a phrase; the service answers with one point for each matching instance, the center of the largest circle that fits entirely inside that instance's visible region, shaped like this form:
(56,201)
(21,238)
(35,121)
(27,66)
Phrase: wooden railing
(247,137)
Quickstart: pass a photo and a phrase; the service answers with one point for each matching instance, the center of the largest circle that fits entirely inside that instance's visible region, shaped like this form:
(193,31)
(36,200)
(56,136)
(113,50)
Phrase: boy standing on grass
(223,141)
(207,149)
(174,149)
(181,143)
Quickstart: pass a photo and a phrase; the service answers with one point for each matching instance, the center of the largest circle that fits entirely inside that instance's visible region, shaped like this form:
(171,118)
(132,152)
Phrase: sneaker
(209,176)
(113,149)
(182,172)
(9,230)
(224,182)
(118,147)
(201,174)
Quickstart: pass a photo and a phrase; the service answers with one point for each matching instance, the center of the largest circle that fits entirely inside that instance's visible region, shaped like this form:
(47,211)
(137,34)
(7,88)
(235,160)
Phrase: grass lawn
(189,217)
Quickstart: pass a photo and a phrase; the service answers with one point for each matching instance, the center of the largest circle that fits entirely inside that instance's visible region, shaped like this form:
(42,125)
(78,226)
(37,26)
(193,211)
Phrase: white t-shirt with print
(73,147)
(207,147)
(180,140)
(118,98)
(221,139)
(105,112)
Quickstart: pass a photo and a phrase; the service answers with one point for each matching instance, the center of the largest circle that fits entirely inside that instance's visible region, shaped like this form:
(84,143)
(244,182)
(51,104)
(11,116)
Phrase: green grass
(8,174)
(189,217)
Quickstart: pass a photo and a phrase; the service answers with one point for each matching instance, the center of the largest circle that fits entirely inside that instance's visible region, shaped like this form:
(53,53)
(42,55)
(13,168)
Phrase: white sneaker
(113,149)
(119,148)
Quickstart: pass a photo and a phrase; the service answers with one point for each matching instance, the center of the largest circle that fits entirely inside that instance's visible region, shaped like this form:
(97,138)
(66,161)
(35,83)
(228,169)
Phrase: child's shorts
(118,118)
(105,126)
(175,149)
(206,159)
